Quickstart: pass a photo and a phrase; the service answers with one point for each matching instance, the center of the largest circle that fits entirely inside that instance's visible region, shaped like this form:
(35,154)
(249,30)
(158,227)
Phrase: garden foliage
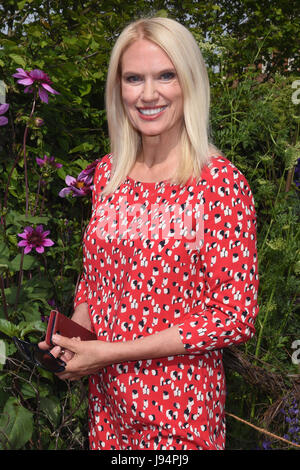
(53,63)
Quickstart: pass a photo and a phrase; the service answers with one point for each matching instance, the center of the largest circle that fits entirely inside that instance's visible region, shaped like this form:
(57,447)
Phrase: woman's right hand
(57,351)
(80,316)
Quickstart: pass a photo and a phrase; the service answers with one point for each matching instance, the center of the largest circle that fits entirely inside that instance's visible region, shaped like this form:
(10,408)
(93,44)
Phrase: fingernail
(55,338)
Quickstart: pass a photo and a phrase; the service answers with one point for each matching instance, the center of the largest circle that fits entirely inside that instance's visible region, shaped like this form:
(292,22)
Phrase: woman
(170,266)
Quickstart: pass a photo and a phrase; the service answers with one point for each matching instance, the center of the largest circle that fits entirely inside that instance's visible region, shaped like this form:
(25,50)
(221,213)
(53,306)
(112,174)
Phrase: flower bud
(38,122)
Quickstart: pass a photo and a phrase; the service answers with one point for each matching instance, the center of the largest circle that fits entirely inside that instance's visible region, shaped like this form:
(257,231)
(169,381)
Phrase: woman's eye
(132,78)
(168,76)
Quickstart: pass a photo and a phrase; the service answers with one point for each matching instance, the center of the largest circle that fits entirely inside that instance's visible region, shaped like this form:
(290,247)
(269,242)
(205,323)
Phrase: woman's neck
(157,160)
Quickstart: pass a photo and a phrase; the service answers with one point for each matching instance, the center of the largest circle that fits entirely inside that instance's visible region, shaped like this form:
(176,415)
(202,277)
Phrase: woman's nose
(150,92)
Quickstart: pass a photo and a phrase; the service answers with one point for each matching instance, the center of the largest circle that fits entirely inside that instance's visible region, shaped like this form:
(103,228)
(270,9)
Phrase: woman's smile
(151,113)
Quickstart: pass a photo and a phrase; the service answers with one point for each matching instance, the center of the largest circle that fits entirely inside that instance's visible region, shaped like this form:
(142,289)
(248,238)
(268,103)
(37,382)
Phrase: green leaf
(3,266)
(297,268)
(23,3)
(22,329)
(28,390)
(51,407)
(84,147)
(18,60)
(31,327)
(28,263)
(16,424)
(17,218)
(86,89)
(8,328)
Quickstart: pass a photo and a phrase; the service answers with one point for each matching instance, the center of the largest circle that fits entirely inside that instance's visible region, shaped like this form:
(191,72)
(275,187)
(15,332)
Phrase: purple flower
(52,303)
(35,238)
(3,108)
(266,445)
(36,77)
(290,411)
(89,171)
(82,185)
(48,161)
(79,186)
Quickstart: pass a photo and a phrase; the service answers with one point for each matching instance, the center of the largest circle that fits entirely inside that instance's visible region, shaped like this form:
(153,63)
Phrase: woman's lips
(149,114)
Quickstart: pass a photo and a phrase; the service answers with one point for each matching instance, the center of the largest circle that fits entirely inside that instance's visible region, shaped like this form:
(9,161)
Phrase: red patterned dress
(158,255)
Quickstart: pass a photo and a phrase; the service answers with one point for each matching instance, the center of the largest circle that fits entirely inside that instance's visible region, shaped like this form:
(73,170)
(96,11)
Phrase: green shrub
(255,124)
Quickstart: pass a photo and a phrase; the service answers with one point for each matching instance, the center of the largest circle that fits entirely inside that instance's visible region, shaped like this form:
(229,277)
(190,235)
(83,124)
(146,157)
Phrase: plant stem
(26,194)
(25,155)
(37,196)
(3,298)
(20,279)
(260,335)
(263,243)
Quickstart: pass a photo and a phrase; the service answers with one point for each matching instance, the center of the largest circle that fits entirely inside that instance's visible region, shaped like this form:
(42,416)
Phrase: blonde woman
(170,266)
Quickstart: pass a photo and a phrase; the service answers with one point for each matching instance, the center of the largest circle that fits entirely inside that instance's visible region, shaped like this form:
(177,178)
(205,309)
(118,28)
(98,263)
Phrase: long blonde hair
(180,46)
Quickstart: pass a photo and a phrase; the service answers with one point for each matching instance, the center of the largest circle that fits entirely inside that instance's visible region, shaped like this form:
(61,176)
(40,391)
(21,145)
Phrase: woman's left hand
(89,356)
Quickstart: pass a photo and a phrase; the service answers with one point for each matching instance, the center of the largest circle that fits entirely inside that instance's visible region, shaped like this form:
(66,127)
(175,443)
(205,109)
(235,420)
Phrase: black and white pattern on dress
(146,268)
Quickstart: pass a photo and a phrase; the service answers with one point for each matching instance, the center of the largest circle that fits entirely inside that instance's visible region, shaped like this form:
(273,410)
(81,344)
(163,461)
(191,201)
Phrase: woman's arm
(81,316)
(228,268)
(91,356)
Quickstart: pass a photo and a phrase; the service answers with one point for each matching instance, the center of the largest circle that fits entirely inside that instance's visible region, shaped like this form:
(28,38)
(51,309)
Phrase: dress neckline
(146,183)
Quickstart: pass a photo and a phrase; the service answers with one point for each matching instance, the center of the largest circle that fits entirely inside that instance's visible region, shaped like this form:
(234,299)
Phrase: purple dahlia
(36,77)
(35,238)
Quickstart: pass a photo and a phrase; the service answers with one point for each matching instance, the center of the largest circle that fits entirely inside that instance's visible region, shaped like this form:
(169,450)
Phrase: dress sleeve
(80,295)
(228,267)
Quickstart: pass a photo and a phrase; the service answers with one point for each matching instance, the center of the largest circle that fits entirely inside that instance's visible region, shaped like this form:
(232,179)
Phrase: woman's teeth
(151,111)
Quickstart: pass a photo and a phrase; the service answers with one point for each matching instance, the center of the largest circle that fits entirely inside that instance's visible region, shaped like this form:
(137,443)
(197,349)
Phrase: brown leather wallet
(60,324)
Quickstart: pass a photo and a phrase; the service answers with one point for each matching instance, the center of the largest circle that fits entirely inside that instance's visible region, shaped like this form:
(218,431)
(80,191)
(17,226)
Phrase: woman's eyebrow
(159,72)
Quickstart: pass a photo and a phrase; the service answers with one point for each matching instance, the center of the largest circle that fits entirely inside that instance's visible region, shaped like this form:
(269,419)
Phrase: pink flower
(48,161)
(3,108)
(35,238)
(36,77)
(79,186)
(88,173)
(83,184)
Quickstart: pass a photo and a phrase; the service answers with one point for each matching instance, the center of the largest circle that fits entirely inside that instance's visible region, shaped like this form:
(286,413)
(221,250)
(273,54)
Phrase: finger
(65,343)
(56,351)
(68,376)
(66,355)
(43,345)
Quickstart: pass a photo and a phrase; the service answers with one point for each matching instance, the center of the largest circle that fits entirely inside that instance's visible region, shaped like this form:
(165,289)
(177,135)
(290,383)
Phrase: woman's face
(151,93)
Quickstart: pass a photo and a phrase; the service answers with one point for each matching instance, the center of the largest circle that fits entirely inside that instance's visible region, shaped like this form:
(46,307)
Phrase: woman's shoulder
(220,172)
(103,168)
(219,165)
(104,163)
